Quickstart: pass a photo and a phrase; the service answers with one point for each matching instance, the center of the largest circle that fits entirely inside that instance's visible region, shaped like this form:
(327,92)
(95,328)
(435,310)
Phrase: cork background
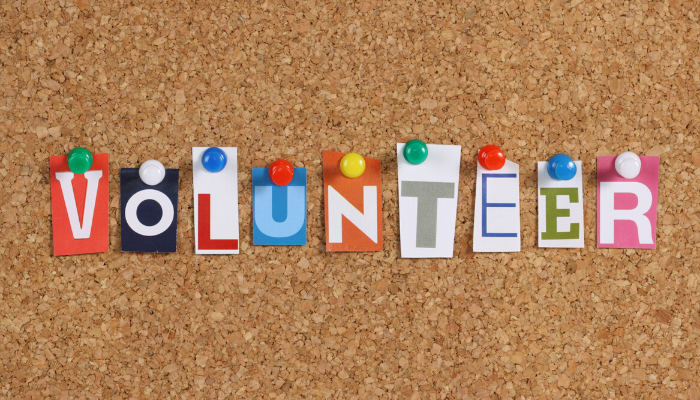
(287,79)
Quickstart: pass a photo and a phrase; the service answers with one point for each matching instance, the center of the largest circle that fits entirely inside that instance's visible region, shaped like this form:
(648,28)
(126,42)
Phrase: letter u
(296,211)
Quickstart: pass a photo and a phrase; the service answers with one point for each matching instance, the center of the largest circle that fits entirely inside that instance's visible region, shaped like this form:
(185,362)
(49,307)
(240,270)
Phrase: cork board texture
(288,79)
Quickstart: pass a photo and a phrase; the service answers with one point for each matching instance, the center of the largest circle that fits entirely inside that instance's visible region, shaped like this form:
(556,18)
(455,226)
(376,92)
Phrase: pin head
(628,165)
(152,172)
(214,159)
(352,165)
(491,157)
(561,167)
(415,151)
(79,160)
(281,172)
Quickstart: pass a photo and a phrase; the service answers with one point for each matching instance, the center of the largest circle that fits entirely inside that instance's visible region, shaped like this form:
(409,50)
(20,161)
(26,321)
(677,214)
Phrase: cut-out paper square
(497,209)
(149,213)
(216,225)
(353,206)
(428,202)
(560,209)
(627,208)
(80,207)
(279,212)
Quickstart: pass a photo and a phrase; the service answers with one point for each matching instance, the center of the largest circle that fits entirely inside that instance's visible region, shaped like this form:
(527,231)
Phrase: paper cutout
(560,209)
(216,227)
(627,208)
(279,212)
(149,213)
(80,207)
(497,209)
(353,206)
(428,202)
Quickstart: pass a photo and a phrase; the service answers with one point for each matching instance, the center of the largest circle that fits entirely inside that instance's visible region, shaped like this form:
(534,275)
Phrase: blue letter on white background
(497,209)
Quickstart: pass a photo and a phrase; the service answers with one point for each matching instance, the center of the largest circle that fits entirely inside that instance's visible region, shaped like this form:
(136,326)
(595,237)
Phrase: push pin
(491,157)
(628,165)
(79,160)
(561,167)
(152,172)
(281,172)
(352,165)
(214,159)
(415,151)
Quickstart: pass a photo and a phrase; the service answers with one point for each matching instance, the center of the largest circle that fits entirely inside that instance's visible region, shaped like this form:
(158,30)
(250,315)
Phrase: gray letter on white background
(428,194)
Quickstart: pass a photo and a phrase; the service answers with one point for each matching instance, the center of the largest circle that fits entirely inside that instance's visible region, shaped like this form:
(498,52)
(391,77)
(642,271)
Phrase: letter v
(66,180)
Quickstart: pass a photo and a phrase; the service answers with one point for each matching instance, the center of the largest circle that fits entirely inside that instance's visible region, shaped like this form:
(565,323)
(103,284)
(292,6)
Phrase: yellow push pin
(352,165)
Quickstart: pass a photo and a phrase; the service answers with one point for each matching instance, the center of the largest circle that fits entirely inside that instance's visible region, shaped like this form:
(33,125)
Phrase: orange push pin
(491,157)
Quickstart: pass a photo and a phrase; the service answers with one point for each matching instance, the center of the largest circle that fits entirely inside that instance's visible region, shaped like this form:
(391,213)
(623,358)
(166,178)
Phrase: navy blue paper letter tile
(149,213)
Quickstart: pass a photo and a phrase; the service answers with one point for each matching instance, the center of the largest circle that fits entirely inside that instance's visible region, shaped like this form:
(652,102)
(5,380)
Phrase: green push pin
(415,151)
(79,160)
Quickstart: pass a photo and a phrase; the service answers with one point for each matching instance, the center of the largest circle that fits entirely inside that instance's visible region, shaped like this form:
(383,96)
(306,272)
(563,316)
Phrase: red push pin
(281,172)
(491,157)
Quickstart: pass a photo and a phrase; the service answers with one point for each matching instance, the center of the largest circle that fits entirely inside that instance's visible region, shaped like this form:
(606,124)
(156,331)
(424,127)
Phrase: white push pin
(152,172)
(628,165)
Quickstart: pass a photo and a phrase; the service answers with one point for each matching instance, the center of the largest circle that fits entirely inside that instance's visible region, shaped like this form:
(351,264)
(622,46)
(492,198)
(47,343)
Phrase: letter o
(165,220)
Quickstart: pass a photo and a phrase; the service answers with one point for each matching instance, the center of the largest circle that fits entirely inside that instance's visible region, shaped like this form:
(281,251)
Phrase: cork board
(289,79)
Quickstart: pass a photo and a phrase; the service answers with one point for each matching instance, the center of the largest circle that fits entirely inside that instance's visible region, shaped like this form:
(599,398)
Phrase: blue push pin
(561,167)
(213,159)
